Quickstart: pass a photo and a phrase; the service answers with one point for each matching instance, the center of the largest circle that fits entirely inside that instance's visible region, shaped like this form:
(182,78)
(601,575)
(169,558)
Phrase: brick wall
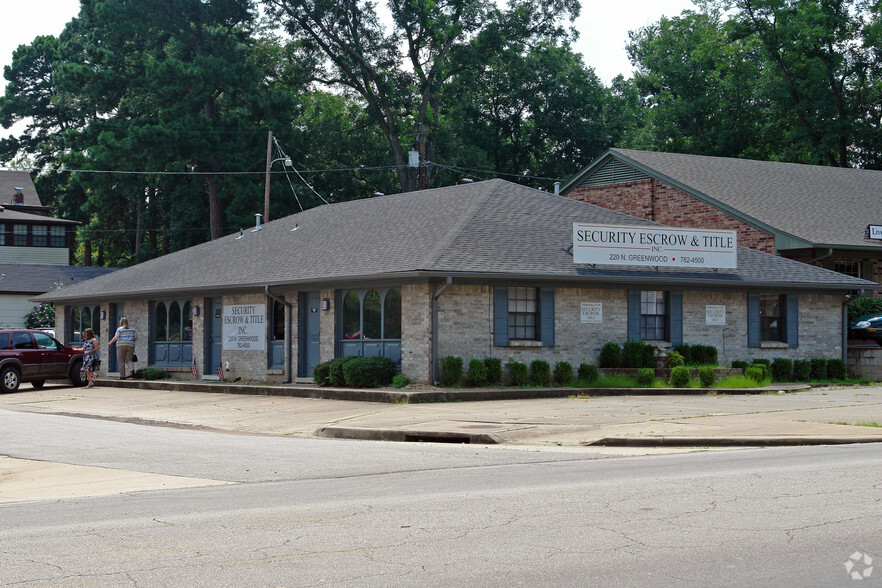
(416,331)
(656,201)
(466,326)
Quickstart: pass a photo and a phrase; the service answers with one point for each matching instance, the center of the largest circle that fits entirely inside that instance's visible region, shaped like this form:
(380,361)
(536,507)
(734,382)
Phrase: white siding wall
(13,307)
(46,255)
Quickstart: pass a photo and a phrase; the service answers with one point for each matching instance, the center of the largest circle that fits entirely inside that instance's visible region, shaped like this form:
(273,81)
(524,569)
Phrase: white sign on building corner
(715,314)
(244,327)
(654,246)
(592,312)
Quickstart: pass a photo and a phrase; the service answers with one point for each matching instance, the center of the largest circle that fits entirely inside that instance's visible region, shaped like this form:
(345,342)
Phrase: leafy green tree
(400,75)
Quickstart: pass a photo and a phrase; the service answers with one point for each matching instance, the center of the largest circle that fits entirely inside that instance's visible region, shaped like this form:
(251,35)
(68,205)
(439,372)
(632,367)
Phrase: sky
(603,30)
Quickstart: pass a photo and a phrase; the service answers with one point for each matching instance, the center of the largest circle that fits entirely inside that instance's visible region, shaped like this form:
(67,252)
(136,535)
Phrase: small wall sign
(592,312)
(715,314)
(244,327)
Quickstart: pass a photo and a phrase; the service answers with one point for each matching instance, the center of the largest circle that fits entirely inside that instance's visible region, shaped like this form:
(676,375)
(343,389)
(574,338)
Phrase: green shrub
(321,374)
(762,361)
(836,369)
(674,359)
(680,377)
(400,381)
(335,370)
(540,372)
(638,354)
(802,369)
(707,376)
(685,351)
(755,373)
(645,377)
(704,355)
(863,306)
(494,370)
(611,355)
(151,373)
(819,368)
(369,372)
(563,372)
(739,364)
(451,371)
(782,369)
(587,373)
(518,373)
(764,367)
(477,373)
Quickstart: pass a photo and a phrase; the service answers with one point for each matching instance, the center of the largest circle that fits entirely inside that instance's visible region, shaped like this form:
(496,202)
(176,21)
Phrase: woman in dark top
(90,355)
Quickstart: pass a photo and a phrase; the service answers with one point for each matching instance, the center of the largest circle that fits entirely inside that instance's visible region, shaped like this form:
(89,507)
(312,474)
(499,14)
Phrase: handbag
(134,358)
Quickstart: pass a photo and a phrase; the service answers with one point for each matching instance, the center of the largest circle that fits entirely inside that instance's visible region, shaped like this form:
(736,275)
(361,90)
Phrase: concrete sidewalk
(816,416)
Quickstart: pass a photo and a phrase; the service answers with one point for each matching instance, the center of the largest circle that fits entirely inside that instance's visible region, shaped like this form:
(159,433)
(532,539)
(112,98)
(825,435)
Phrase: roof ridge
(443,244)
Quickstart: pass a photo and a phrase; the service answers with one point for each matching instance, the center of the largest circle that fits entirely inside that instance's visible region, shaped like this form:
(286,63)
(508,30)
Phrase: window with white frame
(523,313)
(653,315)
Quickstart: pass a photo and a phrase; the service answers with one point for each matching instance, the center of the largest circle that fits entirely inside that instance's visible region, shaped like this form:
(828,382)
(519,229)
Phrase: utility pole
(269,162)
(422,170)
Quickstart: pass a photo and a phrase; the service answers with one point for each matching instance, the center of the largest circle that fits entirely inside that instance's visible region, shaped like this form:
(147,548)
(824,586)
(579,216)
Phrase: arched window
(373,316)
(172,333)
(352,316)
(81,318)
(174,322)
(392,314)
(161,322)
(371,323)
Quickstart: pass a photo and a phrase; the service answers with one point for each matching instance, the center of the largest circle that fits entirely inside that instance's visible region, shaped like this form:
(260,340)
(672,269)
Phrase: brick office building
(814,214)
(474,270)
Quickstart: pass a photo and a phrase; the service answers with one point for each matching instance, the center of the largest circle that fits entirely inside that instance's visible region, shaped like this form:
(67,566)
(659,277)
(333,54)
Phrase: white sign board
(715,314)
(592,312)
(244,327)
(874,232)
(654,246)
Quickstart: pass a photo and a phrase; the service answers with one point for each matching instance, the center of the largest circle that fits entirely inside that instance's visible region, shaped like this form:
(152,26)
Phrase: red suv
(33,356)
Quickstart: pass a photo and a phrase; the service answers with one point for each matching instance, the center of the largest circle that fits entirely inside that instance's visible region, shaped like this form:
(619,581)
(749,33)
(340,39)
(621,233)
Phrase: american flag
(194,370)
(220,370)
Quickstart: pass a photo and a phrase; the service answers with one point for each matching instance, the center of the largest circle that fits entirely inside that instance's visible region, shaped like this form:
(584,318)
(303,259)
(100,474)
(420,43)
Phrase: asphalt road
(306,512)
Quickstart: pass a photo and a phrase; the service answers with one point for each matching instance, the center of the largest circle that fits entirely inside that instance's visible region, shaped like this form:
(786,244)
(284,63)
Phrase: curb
(420,396)
(791,441)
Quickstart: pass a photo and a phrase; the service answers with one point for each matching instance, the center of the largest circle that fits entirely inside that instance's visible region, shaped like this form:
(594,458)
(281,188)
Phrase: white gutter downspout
(435,297)
(289,378)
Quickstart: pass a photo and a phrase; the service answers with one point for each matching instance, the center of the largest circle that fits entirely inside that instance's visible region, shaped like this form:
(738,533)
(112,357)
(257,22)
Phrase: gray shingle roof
(27,278)
(9,214)
(825,206)
(9,180)
(492,229)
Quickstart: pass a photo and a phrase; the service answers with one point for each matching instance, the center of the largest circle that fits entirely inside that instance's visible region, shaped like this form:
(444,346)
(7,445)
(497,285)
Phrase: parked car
(33,356)
(867,327)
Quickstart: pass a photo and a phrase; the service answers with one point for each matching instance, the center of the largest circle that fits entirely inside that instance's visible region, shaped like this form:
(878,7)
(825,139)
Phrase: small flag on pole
(220,370)
(194,370)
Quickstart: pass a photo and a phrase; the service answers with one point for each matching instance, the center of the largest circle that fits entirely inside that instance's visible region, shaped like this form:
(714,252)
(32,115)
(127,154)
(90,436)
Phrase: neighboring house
(474,270)
(815,214)
(34,249)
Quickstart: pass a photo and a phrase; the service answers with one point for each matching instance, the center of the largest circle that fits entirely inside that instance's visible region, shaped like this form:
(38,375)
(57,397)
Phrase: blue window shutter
(500,317)
(633,315)
(675,317)
(792,321)
(546,316)
(753,320)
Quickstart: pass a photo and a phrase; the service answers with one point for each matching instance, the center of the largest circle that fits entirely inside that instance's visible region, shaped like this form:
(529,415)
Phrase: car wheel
(37,384)
(77,377)
(10,379)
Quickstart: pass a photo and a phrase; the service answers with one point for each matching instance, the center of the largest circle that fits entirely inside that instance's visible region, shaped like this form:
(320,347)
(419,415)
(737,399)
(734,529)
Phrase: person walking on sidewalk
(90,356)
(125,348)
